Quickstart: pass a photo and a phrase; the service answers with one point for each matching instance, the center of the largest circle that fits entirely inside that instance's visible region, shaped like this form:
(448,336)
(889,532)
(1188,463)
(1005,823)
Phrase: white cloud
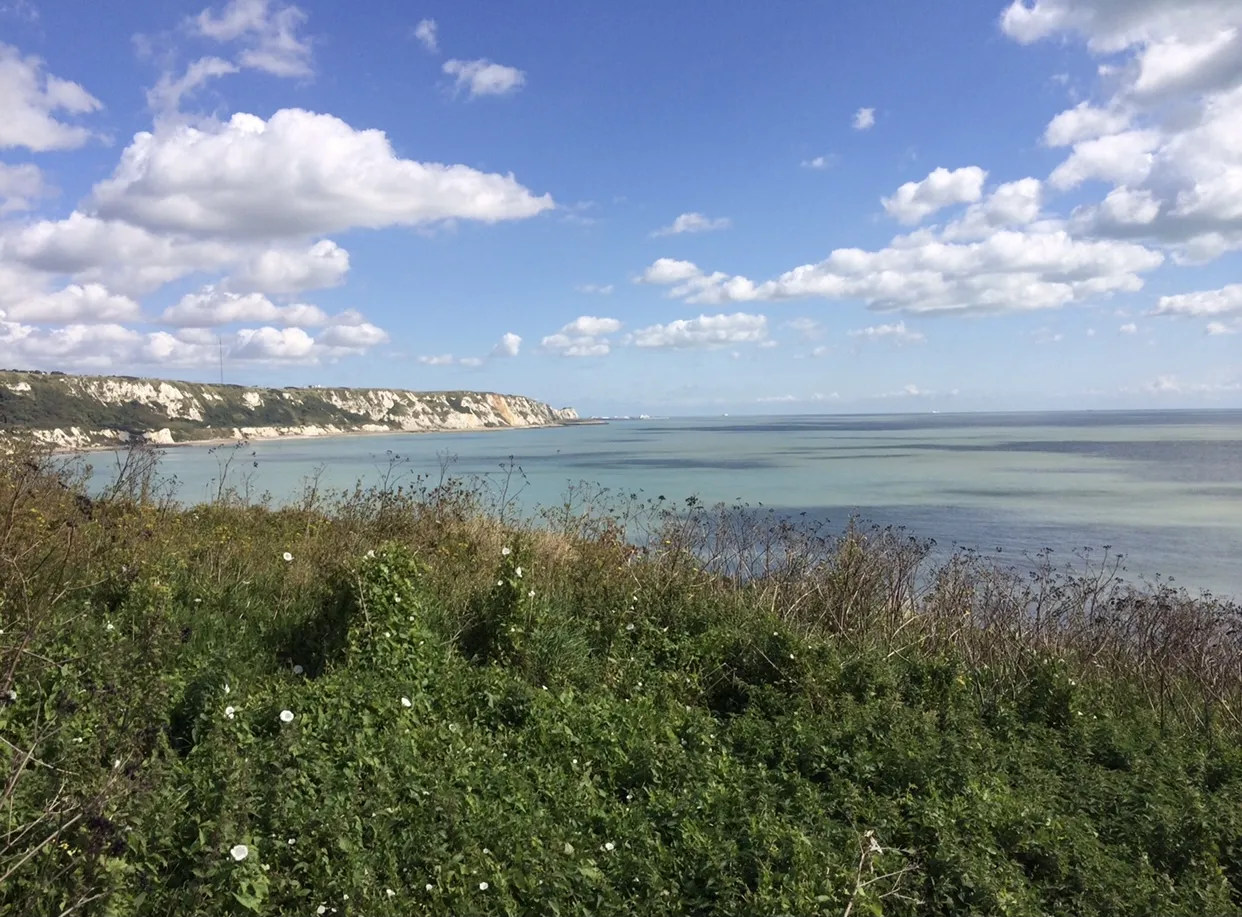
(123,257)
(807,328)
(820,162)
(895,332)
(1014,204)
(1219,328)
(444,359)
(77,305)
(1009,271)
(585,336)
(693,222)
(1084,122)
(1129,328)
(1172,385)
(704,331)
(483,78)
(168,91)
(213,306)
(297,174)
(426,32)
(351,338)
(668,270)
(1166,134)
(864,119)
(30,99)
(1225,301)
(601,289)
(509,346)
(19,186)
(915,201)
(283,270)
(267,31)
(273,345)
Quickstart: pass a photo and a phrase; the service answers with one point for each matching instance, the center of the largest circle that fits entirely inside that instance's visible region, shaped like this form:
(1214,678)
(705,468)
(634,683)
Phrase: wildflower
(574,761)
(518,571)
(116,764)
(321,910)
(298,670)
(629,627)
(286,716)
(500,582)
(288,557)
(226,688)
(486,852)
(389,892)
(506,551)
(483,886)
(370,553)
(610,846)
(239,852)
(405,702)
(291,842)
(430,887)
(531,594)
(229,711)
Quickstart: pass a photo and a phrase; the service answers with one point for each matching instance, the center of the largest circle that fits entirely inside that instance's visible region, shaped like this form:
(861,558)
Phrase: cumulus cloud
(1213,303)
(76,304)
(296,174)
(286,270)
(31,100)
(693,222)
(20,185)
(706,331)
(166,95)
(483,78)
(509,345)
(820,163)
(1218,328)
(212,307)
(426,32)
(915,201)
(585,336)
(267,31)
(1129,328)
(895,332)
(864,119)
(1166,135)
(807,328)
(1013,204)
(1009,271)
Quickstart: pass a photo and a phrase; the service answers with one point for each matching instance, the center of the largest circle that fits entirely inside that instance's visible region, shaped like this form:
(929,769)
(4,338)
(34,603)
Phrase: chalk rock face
(72,412)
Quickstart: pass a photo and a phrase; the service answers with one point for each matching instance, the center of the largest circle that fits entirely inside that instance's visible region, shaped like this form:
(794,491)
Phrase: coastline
(335,434)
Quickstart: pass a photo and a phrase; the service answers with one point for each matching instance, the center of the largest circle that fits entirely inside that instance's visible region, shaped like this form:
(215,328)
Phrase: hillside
(83,411)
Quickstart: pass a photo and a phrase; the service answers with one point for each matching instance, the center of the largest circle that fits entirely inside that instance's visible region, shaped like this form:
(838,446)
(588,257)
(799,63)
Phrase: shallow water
(1163,488)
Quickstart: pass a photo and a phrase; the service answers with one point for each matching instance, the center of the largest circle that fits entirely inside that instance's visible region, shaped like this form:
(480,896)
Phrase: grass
(727,715)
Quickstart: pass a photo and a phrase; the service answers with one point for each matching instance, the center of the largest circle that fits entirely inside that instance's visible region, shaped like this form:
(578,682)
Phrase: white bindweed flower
(291,842)
(286,716)
(109,626)
(389,892)
(298,670)
(116,764)
(229,712)
(518,571)
(483,886)
(321,910)
(610,846)
(506,552)
(405,702)
(226,688)
(531,594)
(288,557)
(629,627)
(370,553)
(239,852)
(430,887)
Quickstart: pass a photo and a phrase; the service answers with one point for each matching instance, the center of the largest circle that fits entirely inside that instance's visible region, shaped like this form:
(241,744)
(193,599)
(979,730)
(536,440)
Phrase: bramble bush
(397,705)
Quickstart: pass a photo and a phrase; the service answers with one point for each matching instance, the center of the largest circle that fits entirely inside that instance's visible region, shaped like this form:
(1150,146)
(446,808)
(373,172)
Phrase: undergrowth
(392,702)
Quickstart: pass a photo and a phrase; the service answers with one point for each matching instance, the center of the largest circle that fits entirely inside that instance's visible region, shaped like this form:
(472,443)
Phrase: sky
(633,207)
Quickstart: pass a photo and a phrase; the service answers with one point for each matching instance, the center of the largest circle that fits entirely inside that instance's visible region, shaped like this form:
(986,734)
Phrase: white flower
(240,852)
(629,627)
(109,626)
(229,711)
(405,702)
(482,886)
(226,688)
(298,670)
(291,842)
(370,553)
(500,582)
(531,594)
(286,716)
(430,887)
(322,909)
(610,846)
(505,552)
(288,557)
(389,892)
(116,764)
(518,571)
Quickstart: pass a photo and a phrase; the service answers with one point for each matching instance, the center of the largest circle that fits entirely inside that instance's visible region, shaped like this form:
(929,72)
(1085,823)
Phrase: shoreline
(234,440)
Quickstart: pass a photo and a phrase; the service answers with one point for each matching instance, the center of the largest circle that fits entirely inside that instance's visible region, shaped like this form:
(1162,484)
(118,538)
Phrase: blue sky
(633,207)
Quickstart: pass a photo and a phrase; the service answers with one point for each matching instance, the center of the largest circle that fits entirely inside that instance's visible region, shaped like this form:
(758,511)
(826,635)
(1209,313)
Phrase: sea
(1161,488)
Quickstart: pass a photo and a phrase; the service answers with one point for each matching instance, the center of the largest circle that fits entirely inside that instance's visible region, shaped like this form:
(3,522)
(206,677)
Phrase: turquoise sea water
(1163,488)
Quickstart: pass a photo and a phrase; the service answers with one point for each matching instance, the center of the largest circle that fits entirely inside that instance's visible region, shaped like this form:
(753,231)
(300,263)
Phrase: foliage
(389,703)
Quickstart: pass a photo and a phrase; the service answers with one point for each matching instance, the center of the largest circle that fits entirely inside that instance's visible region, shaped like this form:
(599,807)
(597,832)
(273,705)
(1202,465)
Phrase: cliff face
(83,411)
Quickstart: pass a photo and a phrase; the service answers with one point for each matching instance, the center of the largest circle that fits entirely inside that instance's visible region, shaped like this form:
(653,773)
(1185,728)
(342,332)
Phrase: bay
(1162,488)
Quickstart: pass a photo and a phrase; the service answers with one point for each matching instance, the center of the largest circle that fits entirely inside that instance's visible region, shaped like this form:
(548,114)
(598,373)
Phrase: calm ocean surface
(1163,488)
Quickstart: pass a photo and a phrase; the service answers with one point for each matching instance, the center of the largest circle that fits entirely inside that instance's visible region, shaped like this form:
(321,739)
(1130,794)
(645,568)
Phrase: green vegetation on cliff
(390,703)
